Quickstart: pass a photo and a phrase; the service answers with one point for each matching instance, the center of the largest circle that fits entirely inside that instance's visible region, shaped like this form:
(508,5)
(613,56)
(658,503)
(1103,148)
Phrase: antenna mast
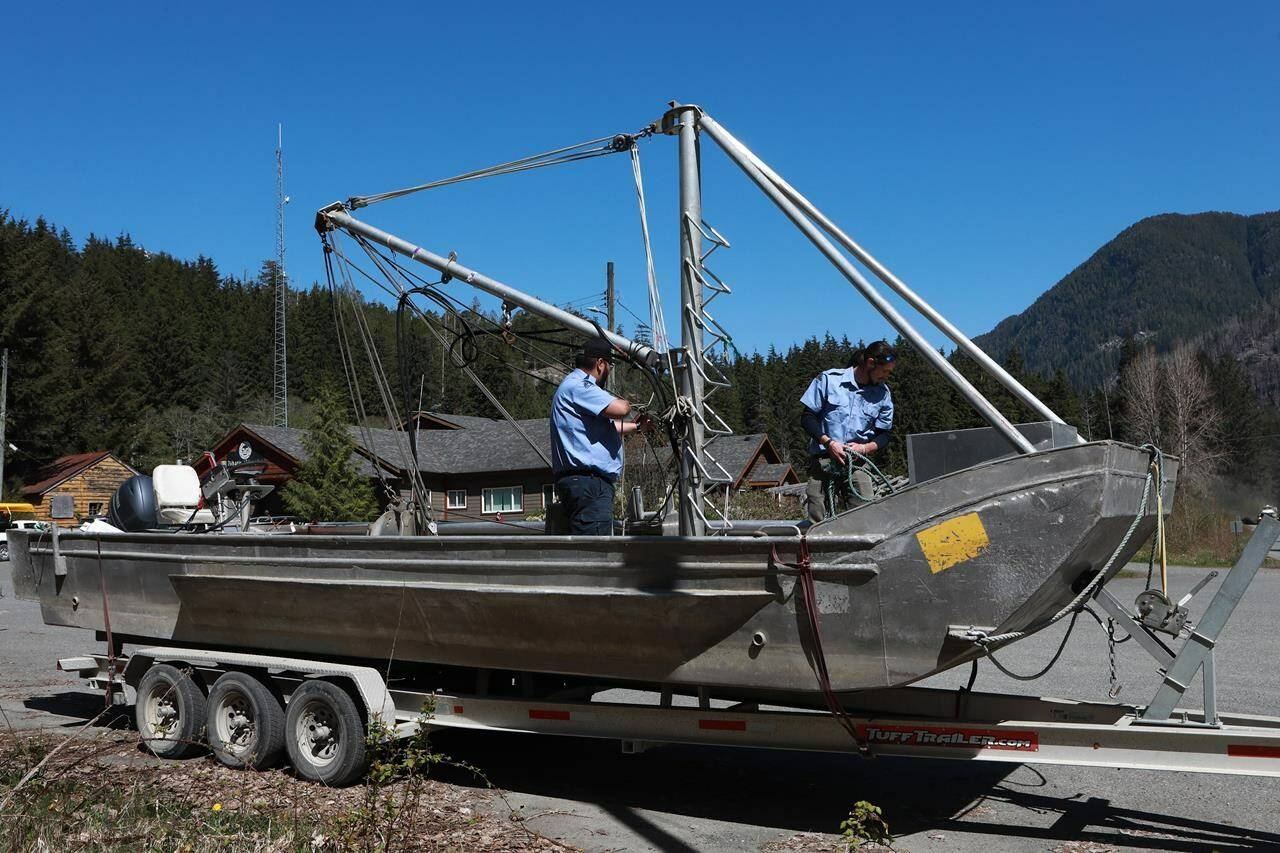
(280,402)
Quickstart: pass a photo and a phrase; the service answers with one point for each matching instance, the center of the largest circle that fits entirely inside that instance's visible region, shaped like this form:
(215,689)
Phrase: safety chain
(1116,686)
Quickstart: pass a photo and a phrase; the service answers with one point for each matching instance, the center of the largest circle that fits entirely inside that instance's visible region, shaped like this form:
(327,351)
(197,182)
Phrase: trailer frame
(913,722)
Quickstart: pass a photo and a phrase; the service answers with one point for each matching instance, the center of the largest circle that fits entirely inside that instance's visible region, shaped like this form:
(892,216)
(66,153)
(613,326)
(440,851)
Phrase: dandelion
(217,807)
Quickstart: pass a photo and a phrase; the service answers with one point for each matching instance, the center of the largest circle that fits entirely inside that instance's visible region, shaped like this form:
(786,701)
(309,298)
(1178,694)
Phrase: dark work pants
(587,504)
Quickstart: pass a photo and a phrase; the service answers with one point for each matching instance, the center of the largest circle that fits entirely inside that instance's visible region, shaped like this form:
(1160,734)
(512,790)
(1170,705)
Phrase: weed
(865,824)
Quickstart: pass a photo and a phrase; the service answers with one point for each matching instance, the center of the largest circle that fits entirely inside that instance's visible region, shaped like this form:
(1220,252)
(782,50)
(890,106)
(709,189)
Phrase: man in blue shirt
(844,410)
(586,444)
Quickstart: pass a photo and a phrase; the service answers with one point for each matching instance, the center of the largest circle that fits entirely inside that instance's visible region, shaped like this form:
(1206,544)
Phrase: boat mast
(687,122)
(335,216)
(739,154)
(1012,385)
(692,522)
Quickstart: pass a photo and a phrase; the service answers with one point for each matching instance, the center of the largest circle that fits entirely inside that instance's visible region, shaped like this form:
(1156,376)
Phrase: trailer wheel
(325,734)
(245,722)
(170,712)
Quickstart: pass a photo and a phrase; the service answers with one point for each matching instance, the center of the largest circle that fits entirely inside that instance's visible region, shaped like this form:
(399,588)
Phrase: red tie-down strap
(809,598)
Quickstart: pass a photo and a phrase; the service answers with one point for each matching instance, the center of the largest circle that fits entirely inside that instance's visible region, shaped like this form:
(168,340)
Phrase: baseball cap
(598,348)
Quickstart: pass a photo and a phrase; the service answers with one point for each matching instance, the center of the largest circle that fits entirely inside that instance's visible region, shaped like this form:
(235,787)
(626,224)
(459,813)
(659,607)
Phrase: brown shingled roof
(64,469)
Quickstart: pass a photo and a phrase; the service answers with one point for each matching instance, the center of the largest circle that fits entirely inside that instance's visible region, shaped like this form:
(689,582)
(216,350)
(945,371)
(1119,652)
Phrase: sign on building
(62,506)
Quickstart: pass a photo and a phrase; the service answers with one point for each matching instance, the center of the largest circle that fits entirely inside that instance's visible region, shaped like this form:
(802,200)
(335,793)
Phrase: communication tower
(280,399)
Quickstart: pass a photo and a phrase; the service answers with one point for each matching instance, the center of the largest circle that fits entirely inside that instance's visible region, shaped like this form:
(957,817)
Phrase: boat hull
(1000,547)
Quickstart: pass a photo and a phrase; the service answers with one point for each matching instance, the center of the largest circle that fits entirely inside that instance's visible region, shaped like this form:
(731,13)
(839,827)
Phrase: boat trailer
(905,722)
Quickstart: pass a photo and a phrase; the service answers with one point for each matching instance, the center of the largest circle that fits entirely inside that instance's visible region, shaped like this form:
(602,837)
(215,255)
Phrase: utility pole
(280,373)
(4,396)
(608,293)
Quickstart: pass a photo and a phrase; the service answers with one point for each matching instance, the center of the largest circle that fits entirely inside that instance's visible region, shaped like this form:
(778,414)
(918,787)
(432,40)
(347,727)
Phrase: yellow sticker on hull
(953,541)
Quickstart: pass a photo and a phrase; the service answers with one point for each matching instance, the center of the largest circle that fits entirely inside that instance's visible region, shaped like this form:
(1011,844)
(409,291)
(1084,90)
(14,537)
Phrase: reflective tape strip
(576,716)
(736,726)
(1245,750)
(723,725)
(535,714)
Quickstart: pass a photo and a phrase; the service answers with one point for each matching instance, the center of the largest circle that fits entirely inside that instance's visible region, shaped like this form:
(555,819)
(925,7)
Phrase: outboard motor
(133,506)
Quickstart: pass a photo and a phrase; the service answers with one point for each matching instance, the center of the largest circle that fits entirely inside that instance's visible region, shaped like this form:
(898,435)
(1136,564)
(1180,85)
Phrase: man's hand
(836,451)
(865,449)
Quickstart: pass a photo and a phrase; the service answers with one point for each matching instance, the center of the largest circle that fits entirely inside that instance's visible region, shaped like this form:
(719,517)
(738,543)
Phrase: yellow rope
(1160,535)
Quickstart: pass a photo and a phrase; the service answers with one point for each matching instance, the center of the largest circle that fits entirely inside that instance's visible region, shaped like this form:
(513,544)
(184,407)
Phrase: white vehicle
(30,524)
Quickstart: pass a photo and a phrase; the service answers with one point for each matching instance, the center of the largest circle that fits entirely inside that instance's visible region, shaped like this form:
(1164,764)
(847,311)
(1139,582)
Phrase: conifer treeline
(155,358)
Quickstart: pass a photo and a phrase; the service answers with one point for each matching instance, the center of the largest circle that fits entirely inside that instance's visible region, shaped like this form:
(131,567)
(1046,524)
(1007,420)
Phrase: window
(95,509)
(548,496)
(456,499)
(505,499)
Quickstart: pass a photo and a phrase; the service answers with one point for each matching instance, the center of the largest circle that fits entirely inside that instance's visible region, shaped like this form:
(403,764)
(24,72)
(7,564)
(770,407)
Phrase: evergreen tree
(327,487)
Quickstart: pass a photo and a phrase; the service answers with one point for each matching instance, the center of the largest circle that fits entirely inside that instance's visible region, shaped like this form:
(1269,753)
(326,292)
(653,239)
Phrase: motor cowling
(133,506)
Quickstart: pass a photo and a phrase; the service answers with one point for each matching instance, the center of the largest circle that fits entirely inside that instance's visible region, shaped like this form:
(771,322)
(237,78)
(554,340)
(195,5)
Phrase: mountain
(1252,338)
(1204,276)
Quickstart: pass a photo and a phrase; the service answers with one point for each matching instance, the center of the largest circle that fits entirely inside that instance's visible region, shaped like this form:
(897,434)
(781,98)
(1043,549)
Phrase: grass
(1199,534)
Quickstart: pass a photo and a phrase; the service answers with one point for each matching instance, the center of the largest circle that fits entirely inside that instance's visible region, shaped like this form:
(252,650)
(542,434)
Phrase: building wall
(94,485)
(474,484)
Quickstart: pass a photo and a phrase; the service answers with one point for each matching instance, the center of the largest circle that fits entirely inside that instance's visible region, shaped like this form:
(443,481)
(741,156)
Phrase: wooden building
(75,488)
(475,468)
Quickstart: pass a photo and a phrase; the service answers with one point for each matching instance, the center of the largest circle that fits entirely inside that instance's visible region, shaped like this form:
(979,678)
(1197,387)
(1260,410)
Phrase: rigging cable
(447,303)
(600,147)
(383,386)
(657,322)
(466,369)
(484,389)
(348,362)
(444,300)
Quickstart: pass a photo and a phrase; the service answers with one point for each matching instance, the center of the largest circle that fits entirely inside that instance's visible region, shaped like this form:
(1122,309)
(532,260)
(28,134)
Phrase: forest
(155,358)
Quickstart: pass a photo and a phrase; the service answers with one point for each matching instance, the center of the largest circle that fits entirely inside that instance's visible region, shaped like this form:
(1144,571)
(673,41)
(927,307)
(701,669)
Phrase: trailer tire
(245,722)
(170,712)
(325,734)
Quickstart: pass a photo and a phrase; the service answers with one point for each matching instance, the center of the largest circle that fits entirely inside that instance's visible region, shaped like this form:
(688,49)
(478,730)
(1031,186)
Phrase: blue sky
(982,151)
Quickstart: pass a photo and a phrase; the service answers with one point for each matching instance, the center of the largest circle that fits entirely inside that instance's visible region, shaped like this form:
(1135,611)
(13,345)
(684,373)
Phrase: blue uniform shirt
(581,437)
(850,412)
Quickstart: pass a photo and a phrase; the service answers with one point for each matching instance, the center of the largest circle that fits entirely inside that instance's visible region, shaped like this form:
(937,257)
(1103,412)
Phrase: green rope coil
(840,479)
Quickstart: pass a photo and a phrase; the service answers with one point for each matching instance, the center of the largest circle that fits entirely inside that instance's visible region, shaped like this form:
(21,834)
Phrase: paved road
(691,798)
